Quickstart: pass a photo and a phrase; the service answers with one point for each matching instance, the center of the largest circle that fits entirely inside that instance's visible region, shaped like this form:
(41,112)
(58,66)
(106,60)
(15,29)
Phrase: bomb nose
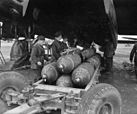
(61,67)
(44,77)
(45,80)
(77,80)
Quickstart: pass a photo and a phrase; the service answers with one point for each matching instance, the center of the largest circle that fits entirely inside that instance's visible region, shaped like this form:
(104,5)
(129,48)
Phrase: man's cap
(40,37)
(35,36)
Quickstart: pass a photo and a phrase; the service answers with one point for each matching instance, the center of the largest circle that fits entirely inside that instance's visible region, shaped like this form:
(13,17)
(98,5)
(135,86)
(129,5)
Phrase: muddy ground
(122,78)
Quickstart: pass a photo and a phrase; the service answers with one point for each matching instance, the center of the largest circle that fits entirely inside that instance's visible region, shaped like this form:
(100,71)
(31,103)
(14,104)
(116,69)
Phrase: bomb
(68,62)
(82,75)
(50,73)
(88,53)
(95,60)
(64,81)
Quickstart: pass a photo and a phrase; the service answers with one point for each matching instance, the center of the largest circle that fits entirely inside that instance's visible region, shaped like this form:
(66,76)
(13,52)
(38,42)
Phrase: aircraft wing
(127,38)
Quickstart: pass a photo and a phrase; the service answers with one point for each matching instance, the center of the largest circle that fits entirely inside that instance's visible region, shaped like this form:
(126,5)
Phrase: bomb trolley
(95,98)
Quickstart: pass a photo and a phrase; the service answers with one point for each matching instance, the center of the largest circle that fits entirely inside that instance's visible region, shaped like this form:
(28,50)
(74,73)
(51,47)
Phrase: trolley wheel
(11,81)
(3,107)
(101,99)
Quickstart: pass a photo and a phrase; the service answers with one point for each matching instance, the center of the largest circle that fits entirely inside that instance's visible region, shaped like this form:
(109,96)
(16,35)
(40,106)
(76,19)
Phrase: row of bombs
(72,70)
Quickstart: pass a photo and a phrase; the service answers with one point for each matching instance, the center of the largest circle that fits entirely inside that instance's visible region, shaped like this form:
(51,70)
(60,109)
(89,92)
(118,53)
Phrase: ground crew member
(133,53)
(18,49)
(20,53)
(38,54)
(64,43)
(56,46)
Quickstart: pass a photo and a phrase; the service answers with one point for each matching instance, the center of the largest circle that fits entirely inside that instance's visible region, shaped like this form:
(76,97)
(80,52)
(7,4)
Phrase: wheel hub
(8,94)
(105,109)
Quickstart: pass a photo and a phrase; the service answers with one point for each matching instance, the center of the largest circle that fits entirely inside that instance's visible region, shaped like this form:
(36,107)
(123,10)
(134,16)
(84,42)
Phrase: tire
(102,97)
(3,107)
(13,80)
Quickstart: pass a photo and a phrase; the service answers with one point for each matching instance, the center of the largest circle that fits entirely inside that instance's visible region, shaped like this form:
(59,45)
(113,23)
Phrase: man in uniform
(56,46)
(19,54)
(133,53)
(64,43)
(38,54)
(18,49)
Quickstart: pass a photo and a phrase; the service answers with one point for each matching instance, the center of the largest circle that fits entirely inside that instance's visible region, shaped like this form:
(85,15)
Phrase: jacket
(37,55)
(56,49)
(18,49)
(63,46)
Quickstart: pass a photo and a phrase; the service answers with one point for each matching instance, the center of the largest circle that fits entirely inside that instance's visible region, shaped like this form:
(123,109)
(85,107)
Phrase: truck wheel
(11,82)
(101,99)
(3,107)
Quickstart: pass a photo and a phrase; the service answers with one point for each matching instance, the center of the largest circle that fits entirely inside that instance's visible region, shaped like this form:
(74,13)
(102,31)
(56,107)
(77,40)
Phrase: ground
(122,79)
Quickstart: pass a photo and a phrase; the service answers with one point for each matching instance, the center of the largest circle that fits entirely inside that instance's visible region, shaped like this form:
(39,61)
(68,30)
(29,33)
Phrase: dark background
(126,11)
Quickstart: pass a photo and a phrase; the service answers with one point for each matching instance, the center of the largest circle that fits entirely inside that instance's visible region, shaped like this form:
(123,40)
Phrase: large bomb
(88,53)
(64,81)
(95,60)
(50,73)
(68,62)
(82,75)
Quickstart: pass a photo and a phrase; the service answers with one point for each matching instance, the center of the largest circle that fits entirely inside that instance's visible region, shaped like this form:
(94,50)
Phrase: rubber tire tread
(101,92)
(12,79)
(3,107)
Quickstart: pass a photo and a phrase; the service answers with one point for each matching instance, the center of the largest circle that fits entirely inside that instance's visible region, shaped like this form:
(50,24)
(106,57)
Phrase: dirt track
(124,81)
(127,86)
